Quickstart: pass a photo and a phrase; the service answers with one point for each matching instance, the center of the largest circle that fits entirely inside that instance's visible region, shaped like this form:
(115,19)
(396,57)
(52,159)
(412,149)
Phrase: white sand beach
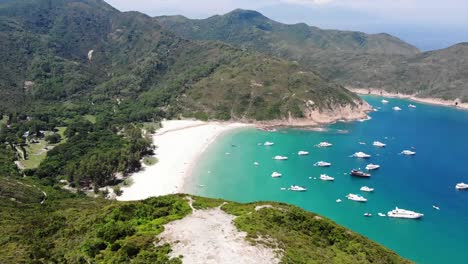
(178,145)
(434,101)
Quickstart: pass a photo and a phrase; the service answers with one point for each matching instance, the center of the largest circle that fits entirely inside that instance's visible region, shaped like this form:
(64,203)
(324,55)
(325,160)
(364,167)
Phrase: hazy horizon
(428,25)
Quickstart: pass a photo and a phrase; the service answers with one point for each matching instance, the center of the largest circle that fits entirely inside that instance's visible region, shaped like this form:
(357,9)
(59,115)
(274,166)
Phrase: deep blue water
(439,135)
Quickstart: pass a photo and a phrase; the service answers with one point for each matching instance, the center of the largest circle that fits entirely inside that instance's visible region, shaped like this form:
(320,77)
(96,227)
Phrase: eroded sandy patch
(209,236)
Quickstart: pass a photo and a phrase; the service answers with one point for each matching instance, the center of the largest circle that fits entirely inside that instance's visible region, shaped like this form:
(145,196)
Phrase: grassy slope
(76,229)
(350,58)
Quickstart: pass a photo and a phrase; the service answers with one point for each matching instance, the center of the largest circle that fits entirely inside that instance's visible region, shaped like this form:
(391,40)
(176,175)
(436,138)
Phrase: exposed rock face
(314,116)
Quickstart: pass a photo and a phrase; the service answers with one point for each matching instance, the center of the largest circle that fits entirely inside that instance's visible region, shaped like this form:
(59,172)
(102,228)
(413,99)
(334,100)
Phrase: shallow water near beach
(437,134)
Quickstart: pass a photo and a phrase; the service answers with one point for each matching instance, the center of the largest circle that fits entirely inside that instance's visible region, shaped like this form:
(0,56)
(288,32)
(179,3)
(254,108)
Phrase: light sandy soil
(209,236)
(178,145)
(413,97)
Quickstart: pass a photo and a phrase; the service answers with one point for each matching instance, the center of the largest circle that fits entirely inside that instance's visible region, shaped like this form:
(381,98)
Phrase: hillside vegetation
(352,59)
(87,52)
(71,228)
(95,74)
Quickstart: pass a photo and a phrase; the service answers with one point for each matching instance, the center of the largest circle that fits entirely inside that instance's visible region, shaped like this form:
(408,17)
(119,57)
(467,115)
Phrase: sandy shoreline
(179,144)
(433,101)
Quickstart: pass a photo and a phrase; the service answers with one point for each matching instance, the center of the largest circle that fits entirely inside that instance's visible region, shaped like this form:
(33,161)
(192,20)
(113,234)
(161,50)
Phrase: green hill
(252,30)
(88,53)
(70,228)
(352,59)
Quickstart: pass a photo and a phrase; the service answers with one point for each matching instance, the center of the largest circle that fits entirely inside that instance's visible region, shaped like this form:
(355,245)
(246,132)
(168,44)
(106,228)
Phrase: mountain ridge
(95,52)
(353,59)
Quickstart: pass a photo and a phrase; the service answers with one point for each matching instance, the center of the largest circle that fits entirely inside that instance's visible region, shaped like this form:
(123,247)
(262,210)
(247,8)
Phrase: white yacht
(361,155)
(297,188)
(408,152)
(379,144)
(366,189)
(402,213)
(256,163)
(338,200)
(396,108)
(303,153)
(381,214)
(268,143)
(384,101)
(322,164)
(461,186)
(276,174)
(356,197)
(325,177)
(324,144)
(411,106)
(367,214)
(280,157)
(372,166)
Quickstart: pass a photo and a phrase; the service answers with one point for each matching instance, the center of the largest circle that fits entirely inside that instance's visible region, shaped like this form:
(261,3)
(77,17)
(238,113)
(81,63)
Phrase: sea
(438,135)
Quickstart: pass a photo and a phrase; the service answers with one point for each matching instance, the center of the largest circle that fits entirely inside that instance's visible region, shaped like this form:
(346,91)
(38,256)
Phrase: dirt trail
(209,236)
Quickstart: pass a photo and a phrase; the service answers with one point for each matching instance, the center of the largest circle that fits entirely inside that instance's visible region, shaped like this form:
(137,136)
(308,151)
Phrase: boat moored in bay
(461,186)
(297,188)
(402,213)
(358,173)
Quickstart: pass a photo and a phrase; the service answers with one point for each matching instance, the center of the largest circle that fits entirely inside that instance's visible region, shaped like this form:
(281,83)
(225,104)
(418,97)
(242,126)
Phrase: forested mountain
(87,51)
(352,59)
(79,78)
(251,30)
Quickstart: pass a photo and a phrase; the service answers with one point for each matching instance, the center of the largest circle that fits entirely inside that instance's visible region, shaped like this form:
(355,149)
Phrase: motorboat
(408,152)
(372,166)
(366,189)
(396,108)
(361,143)
(303,153)
(436,207)
(361,155)
(356,197)
(322,164)
(324,144)
(338,200)
(268,143)
(367,214)
(379,144)
(411,106)
(280,157)
(359,173)
(461,186)
(276,174)
(325,177)
(384,101)
(381,214)
(297,188)
(256,163)
(402,213)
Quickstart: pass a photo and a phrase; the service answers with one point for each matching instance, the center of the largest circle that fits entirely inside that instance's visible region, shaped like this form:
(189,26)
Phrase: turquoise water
(439,136)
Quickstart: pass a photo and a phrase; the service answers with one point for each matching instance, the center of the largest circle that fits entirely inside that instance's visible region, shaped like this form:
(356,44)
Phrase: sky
(428,24)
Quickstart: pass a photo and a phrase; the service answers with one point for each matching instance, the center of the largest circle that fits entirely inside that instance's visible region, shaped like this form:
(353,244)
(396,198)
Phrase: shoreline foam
(433,101)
